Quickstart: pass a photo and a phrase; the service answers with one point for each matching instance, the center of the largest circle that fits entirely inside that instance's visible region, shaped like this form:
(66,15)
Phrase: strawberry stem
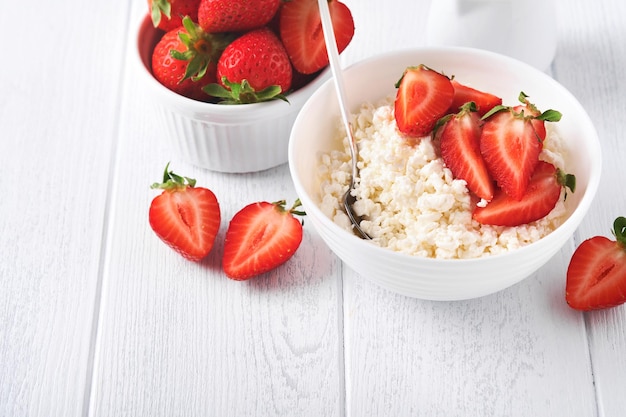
(281,204)
(566,180)
(619,230)
(243,92)
(172,181)
(158,7)
(202,50)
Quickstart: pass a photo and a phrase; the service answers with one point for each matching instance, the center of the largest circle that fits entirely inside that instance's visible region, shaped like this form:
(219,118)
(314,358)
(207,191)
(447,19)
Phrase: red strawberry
(185,217)
(511,143)
(261,237)
(168,14)
(538,118)
(511,150)
(185,59)
(539,125)
(541,196)
(301,32)
(235,15)
(596,276)
(254,67)
(464,94)
(423,97)
(460,150)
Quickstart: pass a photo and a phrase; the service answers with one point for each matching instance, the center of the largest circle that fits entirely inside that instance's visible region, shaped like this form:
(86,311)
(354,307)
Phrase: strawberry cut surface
(260,237)
(596,275)
(423,97)
(185,217)
(511,151)
(300,29)
(539,199)
(460,151)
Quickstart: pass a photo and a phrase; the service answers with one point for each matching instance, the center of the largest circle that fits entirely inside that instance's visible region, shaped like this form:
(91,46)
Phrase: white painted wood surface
(98,318)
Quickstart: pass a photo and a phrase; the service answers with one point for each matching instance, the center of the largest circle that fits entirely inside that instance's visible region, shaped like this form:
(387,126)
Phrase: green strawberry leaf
(243,93)
(160,7)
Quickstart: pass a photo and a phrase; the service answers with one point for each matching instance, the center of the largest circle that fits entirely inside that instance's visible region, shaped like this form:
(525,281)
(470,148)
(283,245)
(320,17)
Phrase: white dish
(225,138)
(373,79)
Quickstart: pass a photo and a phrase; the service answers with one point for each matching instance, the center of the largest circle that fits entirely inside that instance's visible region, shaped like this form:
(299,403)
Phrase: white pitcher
(523,29)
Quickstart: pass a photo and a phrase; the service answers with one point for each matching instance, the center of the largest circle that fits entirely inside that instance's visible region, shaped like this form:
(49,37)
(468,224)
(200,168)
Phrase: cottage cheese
(409,199)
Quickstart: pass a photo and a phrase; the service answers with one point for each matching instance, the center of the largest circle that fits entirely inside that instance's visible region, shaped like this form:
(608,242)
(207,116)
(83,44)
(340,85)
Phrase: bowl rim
(572,221)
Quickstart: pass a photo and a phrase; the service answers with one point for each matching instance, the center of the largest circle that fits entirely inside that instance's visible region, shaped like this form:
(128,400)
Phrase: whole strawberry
(185,59)
(254,67)
(168,14)
(185,217)
(261,237)
(235,15)
(510,145)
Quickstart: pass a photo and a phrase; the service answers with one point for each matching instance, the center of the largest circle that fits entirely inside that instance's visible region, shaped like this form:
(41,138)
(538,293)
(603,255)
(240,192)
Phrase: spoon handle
(333,57)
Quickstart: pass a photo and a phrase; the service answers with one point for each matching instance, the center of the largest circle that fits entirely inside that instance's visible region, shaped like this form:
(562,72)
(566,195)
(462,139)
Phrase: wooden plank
(516,353)
(179,338)
(596,47)
(58,82)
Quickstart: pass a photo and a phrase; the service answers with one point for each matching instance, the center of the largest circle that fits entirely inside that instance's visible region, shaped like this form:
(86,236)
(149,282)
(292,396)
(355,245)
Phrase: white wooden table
(99,318)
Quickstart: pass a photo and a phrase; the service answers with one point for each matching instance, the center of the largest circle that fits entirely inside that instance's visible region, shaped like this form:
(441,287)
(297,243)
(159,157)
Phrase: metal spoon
(333,57)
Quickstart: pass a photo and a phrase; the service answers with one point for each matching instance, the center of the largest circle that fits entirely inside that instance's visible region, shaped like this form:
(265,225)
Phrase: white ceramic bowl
(435,279)
(225,138)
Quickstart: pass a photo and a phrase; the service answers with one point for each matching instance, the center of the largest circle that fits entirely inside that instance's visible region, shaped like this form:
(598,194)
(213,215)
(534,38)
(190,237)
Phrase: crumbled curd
(409,199)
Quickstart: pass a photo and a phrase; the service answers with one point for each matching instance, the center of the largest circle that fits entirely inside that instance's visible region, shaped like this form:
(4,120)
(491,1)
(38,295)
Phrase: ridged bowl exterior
(224,138)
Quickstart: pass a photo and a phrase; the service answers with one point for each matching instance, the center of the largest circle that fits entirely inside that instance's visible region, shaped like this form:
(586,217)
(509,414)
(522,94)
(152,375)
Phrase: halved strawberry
(540,198)
(511,143)
(596,275)
(301,32)
(185,217)
(511,150)
(463,94)
(538,118)
(423,97)
(261,237)
(460,150)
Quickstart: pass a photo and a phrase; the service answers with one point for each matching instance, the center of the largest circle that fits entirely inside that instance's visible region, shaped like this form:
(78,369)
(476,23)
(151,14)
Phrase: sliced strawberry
(423,97)
(261,237)
(185,217)
(463,94)
(511,150)
(538,125)
(540,198)
(596,276)
(301,32)
(460,150)
(511,142)
(537,117)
